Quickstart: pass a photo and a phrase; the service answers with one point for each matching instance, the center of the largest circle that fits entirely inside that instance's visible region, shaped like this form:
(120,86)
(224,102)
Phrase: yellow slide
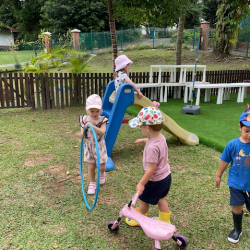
(169,124)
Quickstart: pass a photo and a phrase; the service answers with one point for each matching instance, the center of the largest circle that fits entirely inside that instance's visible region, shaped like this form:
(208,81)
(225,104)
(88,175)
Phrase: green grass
(23,56)
(215,125)
(40,189)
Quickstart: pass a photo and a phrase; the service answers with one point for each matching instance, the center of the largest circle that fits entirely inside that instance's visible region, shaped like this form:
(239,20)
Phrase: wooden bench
(172,83)
(223,90)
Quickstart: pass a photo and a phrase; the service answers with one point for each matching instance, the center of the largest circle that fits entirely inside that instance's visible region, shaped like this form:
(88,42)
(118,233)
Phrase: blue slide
(115,113)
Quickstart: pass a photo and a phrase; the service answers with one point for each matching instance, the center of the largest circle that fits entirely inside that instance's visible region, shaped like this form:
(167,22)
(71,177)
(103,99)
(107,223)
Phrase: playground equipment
(98,170)
(154,229)
(115,112)
(195,110)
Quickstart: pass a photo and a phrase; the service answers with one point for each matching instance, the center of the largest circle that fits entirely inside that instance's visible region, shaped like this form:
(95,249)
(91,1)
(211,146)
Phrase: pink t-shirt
(156,151)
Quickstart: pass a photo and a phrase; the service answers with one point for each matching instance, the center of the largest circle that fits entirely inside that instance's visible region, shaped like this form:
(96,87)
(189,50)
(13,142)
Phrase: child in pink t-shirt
(155,183)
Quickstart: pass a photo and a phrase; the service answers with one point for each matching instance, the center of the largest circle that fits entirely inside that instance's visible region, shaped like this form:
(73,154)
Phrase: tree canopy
(229,13)
(209,9)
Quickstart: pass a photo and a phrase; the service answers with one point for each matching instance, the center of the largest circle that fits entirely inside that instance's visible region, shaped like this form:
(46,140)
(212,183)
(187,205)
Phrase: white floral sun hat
(147,116)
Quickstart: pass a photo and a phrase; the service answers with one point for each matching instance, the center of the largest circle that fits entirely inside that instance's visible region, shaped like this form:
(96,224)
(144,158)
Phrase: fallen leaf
(55,246)
(76,146)
(67,173)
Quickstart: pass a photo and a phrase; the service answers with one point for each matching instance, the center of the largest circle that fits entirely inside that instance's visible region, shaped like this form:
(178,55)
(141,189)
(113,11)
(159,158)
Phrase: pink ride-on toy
(155,229)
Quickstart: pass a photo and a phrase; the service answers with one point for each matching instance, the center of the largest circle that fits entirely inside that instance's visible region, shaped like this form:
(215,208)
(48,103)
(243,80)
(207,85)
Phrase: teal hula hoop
(98,170)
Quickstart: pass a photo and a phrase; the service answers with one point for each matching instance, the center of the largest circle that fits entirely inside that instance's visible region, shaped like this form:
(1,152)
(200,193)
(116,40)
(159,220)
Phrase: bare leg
(102,168)
(143,207)
(163,205)
(91,171)
(237,209)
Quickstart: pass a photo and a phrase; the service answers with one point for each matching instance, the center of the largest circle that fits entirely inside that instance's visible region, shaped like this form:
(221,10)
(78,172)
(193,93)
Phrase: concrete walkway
(11,65)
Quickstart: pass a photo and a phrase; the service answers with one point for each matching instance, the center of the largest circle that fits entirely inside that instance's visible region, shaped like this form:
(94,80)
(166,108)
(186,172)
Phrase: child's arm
(82,132)
(127,79)
(146,177)
(141,141)
(221,169)
(99,131)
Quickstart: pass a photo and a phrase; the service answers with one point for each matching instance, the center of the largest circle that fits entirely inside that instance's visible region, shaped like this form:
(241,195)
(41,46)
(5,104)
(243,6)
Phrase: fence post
(47,36)
(247,48)
(194,38)
(76,39)
(91,40)
(205,26)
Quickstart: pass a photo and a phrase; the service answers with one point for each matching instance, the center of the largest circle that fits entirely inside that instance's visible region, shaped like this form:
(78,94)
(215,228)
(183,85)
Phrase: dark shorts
(156,190)
(238,197)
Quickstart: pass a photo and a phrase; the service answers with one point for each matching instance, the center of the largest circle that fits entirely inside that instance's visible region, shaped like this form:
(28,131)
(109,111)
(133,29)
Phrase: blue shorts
(239,197)
(156,190)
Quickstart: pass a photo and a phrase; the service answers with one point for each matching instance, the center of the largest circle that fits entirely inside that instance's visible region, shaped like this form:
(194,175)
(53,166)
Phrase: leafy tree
(58,16)
(193,14)
(7,13)
(158,12)
(229,13)
(23,15)
(209,9)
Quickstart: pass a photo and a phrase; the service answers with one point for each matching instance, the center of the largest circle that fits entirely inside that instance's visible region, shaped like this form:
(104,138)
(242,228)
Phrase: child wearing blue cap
(237,153)
(154,185)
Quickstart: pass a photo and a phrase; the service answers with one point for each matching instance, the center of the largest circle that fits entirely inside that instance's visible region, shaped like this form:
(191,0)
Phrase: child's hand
(217,181)
(140,188)
(140,95)
(140,141)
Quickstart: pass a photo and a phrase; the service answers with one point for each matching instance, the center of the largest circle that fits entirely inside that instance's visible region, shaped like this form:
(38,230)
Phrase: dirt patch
(58,174)
(231,62)
(5,141)
(36,160)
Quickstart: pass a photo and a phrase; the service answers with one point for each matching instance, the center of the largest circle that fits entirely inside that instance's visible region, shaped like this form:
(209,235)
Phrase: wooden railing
(59,90)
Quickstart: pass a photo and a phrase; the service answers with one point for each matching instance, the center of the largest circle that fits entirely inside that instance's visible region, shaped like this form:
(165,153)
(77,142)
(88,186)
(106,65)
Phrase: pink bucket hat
(147,116)
(94,101)
(121,62)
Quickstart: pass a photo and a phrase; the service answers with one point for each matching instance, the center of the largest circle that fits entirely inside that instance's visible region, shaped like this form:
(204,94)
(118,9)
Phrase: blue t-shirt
(238,154)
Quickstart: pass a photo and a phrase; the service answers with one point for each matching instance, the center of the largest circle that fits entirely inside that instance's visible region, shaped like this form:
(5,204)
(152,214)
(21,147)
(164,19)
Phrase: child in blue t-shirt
(237,153)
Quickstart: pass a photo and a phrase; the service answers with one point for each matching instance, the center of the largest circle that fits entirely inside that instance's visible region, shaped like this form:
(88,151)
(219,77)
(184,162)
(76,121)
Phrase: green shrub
(188,35)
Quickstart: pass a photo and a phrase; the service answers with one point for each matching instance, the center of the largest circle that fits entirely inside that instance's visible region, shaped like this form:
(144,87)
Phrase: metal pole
(91,40)
(154,37)
(121,38)
(196,61)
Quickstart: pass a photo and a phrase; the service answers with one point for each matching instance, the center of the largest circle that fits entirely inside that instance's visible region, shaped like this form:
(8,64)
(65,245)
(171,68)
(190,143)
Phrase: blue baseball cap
(245,117)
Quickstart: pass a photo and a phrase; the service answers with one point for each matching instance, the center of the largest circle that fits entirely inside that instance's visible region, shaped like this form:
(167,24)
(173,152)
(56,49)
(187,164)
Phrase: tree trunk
(112,31)
(179,40)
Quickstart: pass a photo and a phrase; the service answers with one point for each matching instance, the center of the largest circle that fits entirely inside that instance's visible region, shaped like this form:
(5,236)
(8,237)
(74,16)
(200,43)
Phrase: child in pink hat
(98,122)
(122,65)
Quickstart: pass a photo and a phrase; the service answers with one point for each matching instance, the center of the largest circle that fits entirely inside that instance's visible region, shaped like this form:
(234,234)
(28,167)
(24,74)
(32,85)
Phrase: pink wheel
(183,240)
(116,229)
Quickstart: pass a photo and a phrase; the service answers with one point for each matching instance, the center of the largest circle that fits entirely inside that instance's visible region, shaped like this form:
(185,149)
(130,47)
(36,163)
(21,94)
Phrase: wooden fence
(59,90)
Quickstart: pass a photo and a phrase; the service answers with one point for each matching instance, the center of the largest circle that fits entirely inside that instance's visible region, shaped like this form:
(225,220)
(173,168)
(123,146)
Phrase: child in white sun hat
(122,65)
(98,122)
(154,186)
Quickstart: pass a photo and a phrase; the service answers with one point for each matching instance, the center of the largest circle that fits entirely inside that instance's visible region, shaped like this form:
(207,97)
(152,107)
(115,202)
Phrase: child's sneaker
(102,178)
(91,188)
